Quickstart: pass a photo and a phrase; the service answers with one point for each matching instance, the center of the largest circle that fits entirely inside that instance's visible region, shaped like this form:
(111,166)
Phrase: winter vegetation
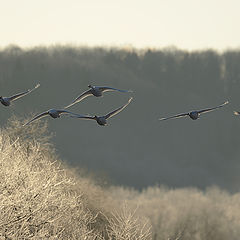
(42,198)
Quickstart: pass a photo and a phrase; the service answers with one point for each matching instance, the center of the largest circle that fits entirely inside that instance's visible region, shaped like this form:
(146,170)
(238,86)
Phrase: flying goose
(54,113)
(6,101)
(194,114)
(102,120)
(95,91)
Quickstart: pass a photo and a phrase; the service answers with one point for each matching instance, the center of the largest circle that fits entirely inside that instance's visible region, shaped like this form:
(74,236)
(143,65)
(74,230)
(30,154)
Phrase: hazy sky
(188,24)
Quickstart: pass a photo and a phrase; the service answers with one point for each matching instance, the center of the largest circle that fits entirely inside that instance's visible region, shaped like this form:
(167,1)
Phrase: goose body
(54,113)
(194,115)
(102,120)
(6,101)
(96,91)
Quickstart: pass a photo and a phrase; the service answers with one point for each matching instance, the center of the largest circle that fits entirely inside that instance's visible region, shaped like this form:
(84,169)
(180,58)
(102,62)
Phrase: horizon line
(129,47)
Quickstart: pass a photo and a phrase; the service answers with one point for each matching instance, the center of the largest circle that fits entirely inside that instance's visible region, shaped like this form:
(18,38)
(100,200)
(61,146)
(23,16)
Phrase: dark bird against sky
(54,113)
(102,120)
(6,101)
(95,91)
(194,114)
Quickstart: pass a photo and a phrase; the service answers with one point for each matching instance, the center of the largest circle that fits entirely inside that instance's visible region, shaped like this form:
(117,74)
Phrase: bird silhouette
(194,114)
(6,101)
(54,113)
(102,120)
(96,91)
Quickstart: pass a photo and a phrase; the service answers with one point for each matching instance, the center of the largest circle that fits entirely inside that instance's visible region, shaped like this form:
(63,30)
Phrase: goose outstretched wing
(236,113)
(113,113)
(80,98)
(175,116)
(41,115)
(211,109)
(67,112)
(108,89)
(18,95)
(88,117)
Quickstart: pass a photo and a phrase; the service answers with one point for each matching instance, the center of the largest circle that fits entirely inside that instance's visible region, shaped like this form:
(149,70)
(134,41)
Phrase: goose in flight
(194,114)
(54,113)
(6,101)
(95,91)
(102,120)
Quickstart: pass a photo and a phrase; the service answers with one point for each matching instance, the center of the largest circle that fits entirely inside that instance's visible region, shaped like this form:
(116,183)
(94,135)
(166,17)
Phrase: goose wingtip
(236,113)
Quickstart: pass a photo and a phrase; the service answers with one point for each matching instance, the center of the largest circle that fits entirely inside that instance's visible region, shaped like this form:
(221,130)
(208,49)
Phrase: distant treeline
(169,68)
(154,65)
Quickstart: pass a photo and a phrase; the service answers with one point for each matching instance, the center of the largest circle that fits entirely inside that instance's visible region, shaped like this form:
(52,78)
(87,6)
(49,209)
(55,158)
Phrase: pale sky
(186,24)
